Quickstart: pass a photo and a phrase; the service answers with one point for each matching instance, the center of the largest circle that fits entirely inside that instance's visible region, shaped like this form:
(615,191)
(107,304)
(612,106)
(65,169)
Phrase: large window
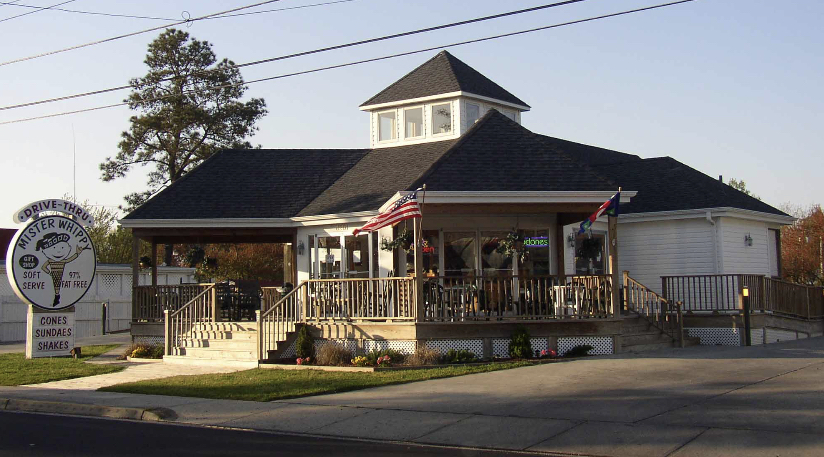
(329,256)
(387,126)
(589,254)
(429,255)
(492,262)
(473,112)
(413,121)
(357,256)
(459,253)
(441,118)
(537,244)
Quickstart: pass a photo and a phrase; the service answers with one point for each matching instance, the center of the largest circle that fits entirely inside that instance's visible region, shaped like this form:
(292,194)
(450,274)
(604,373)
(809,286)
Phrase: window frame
(451,119)
(423,122)
(378,122)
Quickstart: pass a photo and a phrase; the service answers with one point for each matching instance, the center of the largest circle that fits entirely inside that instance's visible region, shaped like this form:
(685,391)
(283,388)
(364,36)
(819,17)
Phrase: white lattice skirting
(500,346)
(601,345)
(443,346)
(716,336)
(153,340)
(403,346)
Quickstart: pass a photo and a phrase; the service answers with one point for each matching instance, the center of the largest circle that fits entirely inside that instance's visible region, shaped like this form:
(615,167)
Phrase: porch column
(613,265)
(560,251)
(135,272)
(288,264)
(419,299)
(154,263)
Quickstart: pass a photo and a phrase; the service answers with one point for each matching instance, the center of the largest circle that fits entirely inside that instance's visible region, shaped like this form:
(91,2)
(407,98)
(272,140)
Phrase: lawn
(15,370)
(267,385)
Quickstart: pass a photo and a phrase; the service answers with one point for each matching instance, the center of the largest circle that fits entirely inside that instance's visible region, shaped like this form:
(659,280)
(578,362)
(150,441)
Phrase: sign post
(51,264)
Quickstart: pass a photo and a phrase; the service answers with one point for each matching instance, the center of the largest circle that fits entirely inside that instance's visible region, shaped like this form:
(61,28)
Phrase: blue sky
(729,87)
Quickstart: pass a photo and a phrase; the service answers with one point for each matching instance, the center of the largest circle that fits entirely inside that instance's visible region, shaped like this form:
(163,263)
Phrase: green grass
(267,385)
(15,370)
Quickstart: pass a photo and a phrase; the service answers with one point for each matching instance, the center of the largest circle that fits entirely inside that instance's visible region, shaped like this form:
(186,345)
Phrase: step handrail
(201,308)
(662,313)
(276,322)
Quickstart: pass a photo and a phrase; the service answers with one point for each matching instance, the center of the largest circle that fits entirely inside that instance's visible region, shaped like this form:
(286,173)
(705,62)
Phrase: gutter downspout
(714,241)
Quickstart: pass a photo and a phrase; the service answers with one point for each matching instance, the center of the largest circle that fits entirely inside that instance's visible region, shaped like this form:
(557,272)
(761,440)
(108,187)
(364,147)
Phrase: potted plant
(403,241)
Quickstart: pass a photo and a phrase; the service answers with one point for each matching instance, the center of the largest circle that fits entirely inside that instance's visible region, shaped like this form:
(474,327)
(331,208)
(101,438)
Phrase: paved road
(46,435)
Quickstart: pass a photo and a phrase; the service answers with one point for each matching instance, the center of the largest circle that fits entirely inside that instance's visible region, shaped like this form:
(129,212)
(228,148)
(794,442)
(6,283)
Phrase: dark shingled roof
(259,183)
(442,74)
(590,155)
(665,184)
(378,176)
(498,154)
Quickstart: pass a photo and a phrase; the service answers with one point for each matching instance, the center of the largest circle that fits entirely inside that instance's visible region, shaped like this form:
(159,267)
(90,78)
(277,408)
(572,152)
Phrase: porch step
(222,335)
(228,344)
(220,353)
(189,360)
(225,327)
(638,339)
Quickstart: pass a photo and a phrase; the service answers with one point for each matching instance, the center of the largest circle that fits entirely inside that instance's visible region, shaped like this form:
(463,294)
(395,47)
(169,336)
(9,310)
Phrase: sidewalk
(707,401)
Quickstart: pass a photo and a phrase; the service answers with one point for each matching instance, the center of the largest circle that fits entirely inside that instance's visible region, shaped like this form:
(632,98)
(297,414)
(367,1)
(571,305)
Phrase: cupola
(439,100)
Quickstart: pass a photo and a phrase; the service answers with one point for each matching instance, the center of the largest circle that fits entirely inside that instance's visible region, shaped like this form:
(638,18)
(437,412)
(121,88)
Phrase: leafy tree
(235,261)
(112,243)
(190,108)
(742,186)
(802,244)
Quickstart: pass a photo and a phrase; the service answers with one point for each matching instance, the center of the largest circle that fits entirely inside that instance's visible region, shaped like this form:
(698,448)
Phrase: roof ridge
(463,139)
(404,77)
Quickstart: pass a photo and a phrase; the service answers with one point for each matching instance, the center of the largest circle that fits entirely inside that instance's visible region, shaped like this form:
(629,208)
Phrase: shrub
(144,351)
(424,356)
(519,345)
(396,357)
(462,356)
(579,351)
(333,354)
(305,344)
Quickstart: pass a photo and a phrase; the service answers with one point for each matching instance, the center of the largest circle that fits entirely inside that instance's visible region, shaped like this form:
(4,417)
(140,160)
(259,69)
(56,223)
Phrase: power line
(314,51)
(375,59)
(156,18)
(71,48)
(39,9)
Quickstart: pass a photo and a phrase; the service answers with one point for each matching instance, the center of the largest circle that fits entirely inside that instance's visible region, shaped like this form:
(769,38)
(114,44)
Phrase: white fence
(112,285)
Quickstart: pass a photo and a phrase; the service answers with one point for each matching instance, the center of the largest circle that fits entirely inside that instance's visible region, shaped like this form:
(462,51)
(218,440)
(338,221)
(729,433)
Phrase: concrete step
(220,354)
(649,346)
(225,326)
(222,335)
(189,360)
(636,328)
(644,338)
(219,344)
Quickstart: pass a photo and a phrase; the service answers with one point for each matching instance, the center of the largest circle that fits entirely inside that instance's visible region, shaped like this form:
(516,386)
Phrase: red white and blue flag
(407,207)
(610,207)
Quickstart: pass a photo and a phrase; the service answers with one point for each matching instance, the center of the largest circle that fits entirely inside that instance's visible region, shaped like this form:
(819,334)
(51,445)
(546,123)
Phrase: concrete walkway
(699,401)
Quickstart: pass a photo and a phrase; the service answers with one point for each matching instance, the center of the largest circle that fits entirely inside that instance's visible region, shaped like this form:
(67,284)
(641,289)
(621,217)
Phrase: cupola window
(473,112)
(387,126)
(413,119)
(441,118)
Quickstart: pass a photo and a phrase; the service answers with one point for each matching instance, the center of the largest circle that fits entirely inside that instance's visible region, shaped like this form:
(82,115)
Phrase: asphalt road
(26,434)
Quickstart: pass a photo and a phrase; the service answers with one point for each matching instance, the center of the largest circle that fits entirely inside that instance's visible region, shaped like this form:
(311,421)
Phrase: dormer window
(441,118)
(413,122)
(473,113)
(387,126)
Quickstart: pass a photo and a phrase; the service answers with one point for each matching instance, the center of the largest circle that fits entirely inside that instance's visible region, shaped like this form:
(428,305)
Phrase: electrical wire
(134,16)
(39,9)
(106,40)
(375,59)
(314,51)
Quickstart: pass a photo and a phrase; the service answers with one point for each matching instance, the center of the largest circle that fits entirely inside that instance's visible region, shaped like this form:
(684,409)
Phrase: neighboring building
(447,126)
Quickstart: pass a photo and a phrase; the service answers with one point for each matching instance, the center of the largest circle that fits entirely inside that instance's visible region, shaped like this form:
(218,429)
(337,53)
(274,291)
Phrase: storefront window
(429,255)
(589,254)
(537,244)
(459,253)
(329,256)
(492,262)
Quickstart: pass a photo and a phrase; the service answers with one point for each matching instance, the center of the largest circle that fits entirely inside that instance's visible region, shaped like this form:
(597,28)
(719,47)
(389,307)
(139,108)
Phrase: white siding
(649,250)
(738,257)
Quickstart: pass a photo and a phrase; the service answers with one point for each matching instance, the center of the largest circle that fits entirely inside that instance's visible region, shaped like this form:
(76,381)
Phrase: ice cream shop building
(499,239)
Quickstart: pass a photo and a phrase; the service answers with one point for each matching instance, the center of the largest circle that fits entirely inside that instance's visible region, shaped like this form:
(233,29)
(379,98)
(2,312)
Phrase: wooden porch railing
(516,297)
(149,302)
(666,315)
(361,299)
(271,295)
(275,323)
(200,309)
(723,293)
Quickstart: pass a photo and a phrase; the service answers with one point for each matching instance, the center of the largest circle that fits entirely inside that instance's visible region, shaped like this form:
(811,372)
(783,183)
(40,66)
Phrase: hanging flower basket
(513,246)
(590,248)
(403,241)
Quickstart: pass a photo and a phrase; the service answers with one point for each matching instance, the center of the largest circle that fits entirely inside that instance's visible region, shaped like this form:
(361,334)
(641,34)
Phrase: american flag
(405,208)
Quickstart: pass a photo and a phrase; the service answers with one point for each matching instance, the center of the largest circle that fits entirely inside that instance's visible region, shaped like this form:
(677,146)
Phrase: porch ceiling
(576,209)
(216,235)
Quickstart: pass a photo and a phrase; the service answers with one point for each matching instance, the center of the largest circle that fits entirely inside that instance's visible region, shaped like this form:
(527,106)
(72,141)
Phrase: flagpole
(419,299)
(613,261)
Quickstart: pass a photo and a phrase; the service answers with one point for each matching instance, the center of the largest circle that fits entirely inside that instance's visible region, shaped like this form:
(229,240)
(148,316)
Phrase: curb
(81,409)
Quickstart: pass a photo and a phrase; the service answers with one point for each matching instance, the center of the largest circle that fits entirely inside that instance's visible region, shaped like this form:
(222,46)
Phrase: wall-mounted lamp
(301,247)
(571,240)
(747,240)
